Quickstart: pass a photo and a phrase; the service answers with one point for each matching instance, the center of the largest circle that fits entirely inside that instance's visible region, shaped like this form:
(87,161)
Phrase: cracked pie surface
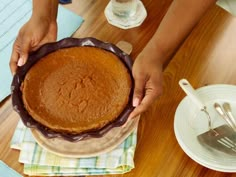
(76,89)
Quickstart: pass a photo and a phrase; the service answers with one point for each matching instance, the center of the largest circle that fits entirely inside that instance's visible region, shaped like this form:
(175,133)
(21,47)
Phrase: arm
(45,9)
(41,28)
(178,22)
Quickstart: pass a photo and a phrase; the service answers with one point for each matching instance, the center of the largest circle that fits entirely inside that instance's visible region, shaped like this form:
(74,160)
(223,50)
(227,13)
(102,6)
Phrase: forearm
(178,22)
(45,9)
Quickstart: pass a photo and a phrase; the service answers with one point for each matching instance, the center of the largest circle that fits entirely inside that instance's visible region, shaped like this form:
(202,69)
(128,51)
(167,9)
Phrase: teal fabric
(6,171)
(15,13)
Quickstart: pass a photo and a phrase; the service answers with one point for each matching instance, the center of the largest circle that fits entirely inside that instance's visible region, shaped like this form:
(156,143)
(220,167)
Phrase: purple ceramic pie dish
(46,49)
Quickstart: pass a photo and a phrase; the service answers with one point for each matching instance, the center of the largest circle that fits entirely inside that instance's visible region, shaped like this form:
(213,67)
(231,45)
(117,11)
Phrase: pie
(76,89)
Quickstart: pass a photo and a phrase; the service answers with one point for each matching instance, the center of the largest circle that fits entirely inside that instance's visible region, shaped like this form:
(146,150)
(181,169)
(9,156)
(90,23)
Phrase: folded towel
(38,161)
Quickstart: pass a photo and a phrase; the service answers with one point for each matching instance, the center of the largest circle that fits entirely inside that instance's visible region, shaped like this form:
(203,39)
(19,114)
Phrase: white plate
(190,122)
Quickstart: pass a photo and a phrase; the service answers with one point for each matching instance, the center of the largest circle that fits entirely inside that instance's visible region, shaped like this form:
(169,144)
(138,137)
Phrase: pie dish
(89,147)
(74,89)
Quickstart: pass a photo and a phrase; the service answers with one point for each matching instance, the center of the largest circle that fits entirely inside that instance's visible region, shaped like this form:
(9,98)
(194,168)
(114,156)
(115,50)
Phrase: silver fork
(228,111)
(226,114)
(221,138)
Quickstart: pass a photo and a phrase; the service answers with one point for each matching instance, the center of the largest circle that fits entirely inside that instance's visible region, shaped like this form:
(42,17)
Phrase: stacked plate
(190,122)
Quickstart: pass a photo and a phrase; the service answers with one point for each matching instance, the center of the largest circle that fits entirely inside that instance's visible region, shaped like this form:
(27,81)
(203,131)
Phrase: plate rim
(130,127)
(183,145)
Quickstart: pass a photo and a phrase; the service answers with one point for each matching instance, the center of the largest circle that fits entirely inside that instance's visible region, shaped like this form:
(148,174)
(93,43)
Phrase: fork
(227,108)
(226,114)
(221,138)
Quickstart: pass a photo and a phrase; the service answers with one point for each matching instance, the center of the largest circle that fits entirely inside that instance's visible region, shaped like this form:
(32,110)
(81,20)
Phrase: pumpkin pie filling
(77,89)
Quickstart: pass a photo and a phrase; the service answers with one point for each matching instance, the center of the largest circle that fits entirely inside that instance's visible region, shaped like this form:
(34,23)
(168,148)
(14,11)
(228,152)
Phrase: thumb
(139,88)
(24,52)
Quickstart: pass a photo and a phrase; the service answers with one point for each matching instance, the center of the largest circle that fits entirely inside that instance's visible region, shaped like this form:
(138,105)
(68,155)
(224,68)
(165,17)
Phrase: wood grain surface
(206,57)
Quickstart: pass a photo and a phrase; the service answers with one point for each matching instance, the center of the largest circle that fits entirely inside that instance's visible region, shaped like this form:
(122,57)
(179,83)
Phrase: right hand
(32,35)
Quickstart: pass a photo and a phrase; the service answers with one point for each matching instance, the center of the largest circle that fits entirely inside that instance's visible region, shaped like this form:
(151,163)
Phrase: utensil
(188,89)
(221,138)
(189,122)
(224,113)
(229,113)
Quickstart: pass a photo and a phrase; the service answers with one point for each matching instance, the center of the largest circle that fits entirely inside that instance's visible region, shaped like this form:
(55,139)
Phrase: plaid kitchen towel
(38,161)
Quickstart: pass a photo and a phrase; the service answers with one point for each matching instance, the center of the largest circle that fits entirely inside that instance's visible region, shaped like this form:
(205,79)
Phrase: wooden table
(206,57)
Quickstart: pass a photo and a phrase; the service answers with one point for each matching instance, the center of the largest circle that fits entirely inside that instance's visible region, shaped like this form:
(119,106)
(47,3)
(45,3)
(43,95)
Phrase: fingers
(151,90)
(139,109)
(150,96)
(139,90)
(19,54)
(24,50)
(14,58)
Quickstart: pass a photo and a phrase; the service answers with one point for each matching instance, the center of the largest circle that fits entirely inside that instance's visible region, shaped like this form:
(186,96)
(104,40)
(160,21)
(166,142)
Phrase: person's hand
(32,35)
(147,73)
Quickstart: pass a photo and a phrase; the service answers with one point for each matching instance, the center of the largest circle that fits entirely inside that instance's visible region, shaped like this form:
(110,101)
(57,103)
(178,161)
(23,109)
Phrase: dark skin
(148,66)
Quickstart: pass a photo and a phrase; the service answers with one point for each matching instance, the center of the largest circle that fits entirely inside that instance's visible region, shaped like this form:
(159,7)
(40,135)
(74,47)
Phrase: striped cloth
(38,161)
